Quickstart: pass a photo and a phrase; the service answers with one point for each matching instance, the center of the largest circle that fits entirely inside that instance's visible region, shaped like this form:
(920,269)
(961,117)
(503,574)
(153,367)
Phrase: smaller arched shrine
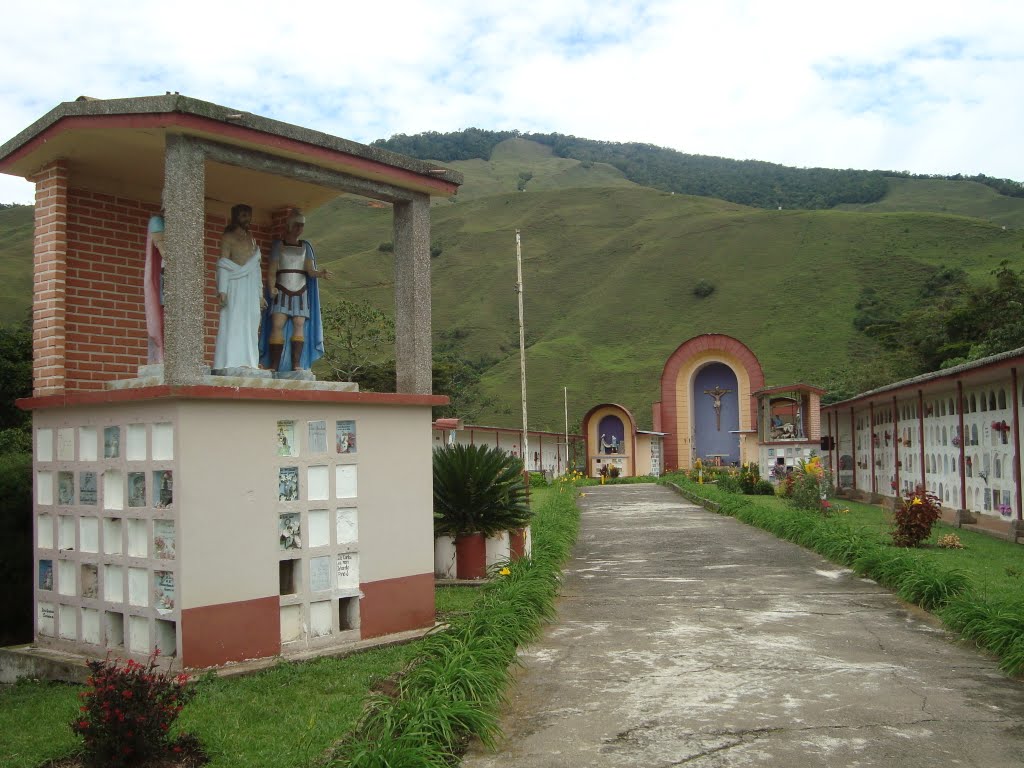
(616,448)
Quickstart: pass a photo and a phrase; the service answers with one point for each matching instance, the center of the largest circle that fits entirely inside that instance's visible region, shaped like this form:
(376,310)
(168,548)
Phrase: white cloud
(929,87)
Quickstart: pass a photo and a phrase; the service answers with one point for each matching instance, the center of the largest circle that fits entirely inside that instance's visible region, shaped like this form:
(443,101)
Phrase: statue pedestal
(305,375)
(245,373)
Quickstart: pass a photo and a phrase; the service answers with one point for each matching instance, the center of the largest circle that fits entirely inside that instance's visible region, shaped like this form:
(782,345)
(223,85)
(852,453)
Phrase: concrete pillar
(184,265)
(1016,530)
(413,365)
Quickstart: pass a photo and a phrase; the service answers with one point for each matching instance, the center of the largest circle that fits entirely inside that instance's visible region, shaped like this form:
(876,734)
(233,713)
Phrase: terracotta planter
(444,557)
(471,556)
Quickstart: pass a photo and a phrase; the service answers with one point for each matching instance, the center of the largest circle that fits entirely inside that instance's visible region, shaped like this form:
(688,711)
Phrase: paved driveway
(687,638)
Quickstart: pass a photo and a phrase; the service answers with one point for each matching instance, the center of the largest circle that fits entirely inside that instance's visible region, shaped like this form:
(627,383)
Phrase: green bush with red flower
(127,711)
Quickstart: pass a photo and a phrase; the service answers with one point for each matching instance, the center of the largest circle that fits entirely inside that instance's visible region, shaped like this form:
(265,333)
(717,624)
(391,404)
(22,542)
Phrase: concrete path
(688,638)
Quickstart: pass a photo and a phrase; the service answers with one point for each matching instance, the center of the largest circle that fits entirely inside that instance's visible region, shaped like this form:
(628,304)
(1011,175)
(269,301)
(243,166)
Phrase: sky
(926,87)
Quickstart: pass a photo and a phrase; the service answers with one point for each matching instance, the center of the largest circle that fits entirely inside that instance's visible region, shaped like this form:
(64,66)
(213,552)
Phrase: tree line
(946,322)
(747,182)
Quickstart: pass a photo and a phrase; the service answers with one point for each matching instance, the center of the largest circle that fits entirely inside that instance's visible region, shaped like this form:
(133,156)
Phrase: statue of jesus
(240,294)
(716,394)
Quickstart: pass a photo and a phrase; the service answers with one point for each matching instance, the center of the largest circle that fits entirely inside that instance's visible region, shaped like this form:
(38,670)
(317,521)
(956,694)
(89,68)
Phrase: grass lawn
(994,565)
(282,717)
(285,716)
(454,601)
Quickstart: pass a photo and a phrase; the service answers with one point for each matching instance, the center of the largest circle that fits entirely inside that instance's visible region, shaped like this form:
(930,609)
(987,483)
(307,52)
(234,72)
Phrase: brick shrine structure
(219,519)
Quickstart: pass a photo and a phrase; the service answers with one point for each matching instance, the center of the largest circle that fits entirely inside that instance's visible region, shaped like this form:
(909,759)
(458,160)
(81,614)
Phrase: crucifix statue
(716,394)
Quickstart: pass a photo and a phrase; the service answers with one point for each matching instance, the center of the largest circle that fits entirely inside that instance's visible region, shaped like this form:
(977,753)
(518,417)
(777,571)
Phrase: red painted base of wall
(217,634)
(471,556)
(517,543)
(396,605)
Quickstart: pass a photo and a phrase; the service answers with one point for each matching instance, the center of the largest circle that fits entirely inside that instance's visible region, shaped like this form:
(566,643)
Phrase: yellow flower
(504,572)
(916,502)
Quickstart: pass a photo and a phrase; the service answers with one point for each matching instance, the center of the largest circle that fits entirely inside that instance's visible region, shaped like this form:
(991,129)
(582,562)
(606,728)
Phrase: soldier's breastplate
(292,257)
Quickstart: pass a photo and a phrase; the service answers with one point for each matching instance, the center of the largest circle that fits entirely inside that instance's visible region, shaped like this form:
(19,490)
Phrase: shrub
(913,518)
(749,477)
(16,547)
(386,247)
(538,480)
(15,440)
(763,488)
(703,289)
(727,481)
(478,488)
(127,711)
(950,541)
(807,485)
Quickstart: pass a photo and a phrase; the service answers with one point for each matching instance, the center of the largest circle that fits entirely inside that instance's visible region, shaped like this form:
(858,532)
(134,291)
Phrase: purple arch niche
(611,430)
(713,434)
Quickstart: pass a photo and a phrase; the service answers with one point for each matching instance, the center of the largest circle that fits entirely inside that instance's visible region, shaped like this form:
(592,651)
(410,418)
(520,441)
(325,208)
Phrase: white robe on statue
(239,327)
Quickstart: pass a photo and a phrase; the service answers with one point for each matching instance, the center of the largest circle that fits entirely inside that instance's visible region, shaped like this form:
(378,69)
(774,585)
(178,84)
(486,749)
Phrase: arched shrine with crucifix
(217,518)
(715,407)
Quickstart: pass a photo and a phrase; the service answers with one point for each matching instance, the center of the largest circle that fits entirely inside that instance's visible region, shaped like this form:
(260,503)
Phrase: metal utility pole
(525,442)
(565,393)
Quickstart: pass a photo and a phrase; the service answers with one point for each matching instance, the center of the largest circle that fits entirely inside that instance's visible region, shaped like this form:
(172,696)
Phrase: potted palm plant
(479,492)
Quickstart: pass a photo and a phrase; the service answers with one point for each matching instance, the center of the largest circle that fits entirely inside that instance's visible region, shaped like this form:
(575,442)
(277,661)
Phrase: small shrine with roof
(216,518)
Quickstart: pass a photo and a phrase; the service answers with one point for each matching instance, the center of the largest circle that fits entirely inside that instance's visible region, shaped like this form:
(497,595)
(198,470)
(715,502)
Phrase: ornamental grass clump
(127,711)
(913,518)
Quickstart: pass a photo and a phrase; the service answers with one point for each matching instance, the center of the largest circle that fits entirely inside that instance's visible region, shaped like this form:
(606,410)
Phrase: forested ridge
(748,182)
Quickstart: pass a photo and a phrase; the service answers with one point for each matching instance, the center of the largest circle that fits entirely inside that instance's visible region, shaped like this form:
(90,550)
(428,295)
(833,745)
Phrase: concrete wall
(547,449)
(225,600)
(913,438)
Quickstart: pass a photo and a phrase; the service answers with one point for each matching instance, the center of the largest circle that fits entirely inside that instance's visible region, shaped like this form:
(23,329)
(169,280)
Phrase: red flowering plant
(127,711)
(913,517)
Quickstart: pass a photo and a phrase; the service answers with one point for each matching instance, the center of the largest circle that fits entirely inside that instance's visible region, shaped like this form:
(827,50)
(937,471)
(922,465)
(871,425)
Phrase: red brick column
(49,303)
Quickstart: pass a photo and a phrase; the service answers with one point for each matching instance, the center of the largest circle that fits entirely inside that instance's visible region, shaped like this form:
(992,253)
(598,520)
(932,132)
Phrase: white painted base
(497,549)
(444,557)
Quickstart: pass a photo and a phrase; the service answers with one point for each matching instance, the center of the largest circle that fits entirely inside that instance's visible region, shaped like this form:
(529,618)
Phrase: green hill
(16,232)
(609,278)
(609,269)
(520,165)
(959,198)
